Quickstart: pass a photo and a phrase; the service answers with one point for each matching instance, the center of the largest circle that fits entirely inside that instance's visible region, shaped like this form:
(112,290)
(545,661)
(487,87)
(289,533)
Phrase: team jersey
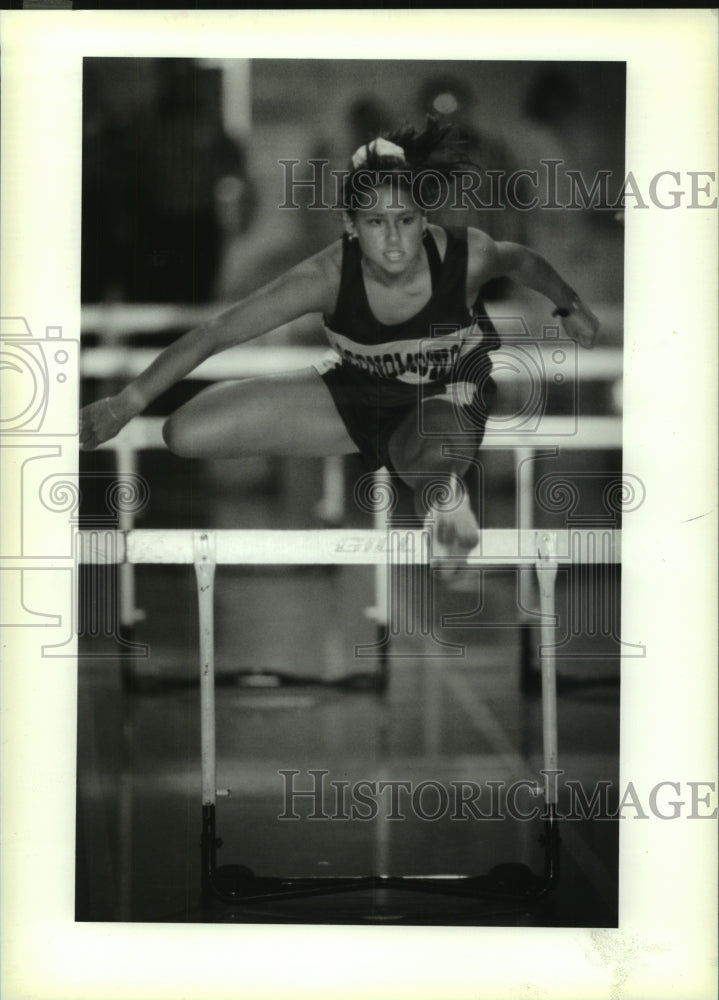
(427,347)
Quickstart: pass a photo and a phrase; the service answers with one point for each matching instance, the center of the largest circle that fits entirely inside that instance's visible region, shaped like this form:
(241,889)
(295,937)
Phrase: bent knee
(178,435)
(424,441)
(418,454)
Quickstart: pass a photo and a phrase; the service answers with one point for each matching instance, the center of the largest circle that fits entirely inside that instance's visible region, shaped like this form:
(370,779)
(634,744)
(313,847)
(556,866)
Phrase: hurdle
(114,322)
(602,364)
(590,433)
(205,550)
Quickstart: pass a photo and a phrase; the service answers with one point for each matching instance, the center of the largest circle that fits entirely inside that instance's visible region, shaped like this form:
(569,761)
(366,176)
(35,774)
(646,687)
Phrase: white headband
(382,147)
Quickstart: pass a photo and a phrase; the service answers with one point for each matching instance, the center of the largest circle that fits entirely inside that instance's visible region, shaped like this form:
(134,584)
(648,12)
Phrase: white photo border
(665,944)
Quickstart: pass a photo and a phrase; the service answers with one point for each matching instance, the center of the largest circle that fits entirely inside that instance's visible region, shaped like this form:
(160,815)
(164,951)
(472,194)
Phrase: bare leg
(287,414)
(437,479)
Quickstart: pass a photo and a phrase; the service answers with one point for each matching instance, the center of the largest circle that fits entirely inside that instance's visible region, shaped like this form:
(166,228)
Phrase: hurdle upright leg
(130,614)
(547,576)
(331,506)
(127,470)
(205,563)
(379,612)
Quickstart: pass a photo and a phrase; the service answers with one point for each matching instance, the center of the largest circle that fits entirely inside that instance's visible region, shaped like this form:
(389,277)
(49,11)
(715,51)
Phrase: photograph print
(352,491)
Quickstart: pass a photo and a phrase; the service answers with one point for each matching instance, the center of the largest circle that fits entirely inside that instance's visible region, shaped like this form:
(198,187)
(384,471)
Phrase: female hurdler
(408,379)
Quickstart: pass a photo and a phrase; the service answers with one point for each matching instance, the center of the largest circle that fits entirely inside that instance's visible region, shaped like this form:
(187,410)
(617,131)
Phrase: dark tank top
(424,348)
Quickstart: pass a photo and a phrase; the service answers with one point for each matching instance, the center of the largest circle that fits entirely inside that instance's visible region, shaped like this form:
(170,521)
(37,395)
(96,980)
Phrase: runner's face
(390,233)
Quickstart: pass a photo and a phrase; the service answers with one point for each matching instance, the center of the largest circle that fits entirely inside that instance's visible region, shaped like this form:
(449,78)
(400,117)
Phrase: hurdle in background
(504,547)
(112,322)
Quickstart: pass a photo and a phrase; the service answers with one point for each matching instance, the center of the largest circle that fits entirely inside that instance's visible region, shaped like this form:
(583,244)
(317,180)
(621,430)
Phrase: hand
(101,421)
(581,324)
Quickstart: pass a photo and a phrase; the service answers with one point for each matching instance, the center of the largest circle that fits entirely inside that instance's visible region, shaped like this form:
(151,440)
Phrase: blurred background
(182,175)
(182,183)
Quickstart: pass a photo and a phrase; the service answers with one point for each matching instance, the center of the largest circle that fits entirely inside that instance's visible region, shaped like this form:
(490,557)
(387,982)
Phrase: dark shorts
(372,408)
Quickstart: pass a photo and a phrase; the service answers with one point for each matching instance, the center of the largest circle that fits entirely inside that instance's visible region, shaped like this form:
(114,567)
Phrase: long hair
(431,157)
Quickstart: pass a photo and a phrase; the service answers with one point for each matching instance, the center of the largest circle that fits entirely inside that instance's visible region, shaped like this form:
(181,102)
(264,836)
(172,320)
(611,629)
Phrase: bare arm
(488,259)
(530,269)
(309,287)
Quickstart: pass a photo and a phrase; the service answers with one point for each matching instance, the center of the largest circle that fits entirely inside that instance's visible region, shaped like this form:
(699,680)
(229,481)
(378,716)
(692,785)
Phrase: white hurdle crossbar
(343,546)
(206,549)
(243,361)
(115,320)
(597,433)
(565,432)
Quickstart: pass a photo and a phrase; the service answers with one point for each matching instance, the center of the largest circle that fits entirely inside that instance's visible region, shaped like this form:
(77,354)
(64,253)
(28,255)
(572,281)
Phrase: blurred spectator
(163,184)
(561,124)
(367,118)
(451,101)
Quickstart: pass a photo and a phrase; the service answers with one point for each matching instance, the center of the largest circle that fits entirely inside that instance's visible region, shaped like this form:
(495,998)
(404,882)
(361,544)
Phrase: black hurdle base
(512,887)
